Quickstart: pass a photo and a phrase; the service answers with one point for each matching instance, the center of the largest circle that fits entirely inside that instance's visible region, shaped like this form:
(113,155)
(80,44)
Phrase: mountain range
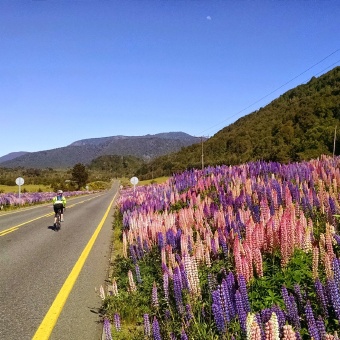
(85,150)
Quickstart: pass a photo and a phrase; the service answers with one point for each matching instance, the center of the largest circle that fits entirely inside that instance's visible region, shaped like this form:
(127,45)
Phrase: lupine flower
(167,315)
(178,290)
(334,296)
(321,296)
(166,286)
(155,302)
(147,326)
(188,314)
(244,293)
(218,317)
(242,314)
(299,298)
(312,329)
(183,335)
(138,276)
(107,329)
(336,271)
(288,333)
(117,322)
(156,330)
(132,284)
(321,327)
(272,328)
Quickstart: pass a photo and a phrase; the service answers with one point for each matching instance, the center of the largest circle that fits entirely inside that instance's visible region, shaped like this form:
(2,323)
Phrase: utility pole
(202,153)
(334,141)
(202,157)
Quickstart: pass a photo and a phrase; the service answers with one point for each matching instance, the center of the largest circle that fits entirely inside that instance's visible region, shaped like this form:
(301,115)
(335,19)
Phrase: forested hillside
(299,125)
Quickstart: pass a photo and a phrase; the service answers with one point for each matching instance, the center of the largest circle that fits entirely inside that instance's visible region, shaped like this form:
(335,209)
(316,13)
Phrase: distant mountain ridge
(12,155)
(85,150)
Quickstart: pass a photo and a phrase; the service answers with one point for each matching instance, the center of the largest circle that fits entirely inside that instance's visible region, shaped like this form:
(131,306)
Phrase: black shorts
(58,206)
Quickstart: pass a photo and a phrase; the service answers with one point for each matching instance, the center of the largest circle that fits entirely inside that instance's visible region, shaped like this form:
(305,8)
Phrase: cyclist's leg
(62,214)
(55,214)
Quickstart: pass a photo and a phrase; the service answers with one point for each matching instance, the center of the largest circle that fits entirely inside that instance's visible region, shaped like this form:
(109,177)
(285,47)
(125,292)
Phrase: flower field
(10,200)
(229,252)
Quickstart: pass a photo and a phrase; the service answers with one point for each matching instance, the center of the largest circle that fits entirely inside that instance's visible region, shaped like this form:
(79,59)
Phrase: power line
(267,95)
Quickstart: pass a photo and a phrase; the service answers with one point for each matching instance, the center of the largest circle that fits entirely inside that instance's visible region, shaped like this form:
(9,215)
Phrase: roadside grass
(131,329)
(126,181)
(5,189)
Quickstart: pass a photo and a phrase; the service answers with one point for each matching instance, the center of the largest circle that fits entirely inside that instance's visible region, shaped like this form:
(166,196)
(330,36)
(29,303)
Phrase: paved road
(39,269)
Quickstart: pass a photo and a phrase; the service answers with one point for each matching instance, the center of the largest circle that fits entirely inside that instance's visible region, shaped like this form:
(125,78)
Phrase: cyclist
(59,202)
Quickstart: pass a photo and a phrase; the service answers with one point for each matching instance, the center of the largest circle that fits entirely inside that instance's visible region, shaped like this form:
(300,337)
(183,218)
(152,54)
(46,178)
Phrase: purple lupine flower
(184,276)
(133,254)
(218,317)
(321,296)
(259,322)
(336,271)
(146,246)
(298,294)
(167,315)
(332,205)
(224,299)
(188,313)
(147,326)
(337,238)
(285,296)
(170,238)
(294,313)
(172,336)
(117,322)
(183,335)
(334,295)
(244,293)
(298,335)
(321,327)
(138,276)
(107,329)
(311,324)
(160,240)
(156,330)
(265,315)
(242,314)
(178,289)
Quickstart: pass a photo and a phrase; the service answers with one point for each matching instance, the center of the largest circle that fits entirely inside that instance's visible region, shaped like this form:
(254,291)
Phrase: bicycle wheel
(58,223)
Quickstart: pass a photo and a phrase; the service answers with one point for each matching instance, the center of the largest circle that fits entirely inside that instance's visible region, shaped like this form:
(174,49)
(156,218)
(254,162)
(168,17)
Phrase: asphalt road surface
(50,280)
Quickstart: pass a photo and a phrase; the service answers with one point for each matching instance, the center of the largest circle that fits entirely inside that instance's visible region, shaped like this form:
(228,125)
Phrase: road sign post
(134,181)
(19,181)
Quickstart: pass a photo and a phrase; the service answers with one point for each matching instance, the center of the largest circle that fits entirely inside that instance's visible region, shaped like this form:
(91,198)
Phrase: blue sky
(76,69)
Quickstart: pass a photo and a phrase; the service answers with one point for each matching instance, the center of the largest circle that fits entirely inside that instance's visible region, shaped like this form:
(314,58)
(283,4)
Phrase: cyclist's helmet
(59,192)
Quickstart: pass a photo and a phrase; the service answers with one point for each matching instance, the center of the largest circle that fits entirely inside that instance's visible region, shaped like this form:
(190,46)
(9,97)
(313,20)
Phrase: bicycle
(58,221)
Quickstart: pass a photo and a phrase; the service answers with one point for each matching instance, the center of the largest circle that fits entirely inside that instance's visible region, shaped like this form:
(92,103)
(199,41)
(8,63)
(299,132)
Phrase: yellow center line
(46,327)
(6,231)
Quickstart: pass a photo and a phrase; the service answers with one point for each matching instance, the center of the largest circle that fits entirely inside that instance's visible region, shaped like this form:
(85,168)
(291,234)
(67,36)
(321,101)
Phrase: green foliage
(80,175)
(264,292)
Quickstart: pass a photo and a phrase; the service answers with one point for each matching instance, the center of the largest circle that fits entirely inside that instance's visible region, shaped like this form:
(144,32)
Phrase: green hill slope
(299,125)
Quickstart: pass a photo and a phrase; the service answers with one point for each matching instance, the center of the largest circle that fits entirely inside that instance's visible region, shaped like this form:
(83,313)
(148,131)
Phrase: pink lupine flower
(272,328)
(288,333)
(132,284)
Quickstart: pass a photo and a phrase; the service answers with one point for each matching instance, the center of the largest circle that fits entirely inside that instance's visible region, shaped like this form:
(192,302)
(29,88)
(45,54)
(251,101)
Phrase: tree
(80,175)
